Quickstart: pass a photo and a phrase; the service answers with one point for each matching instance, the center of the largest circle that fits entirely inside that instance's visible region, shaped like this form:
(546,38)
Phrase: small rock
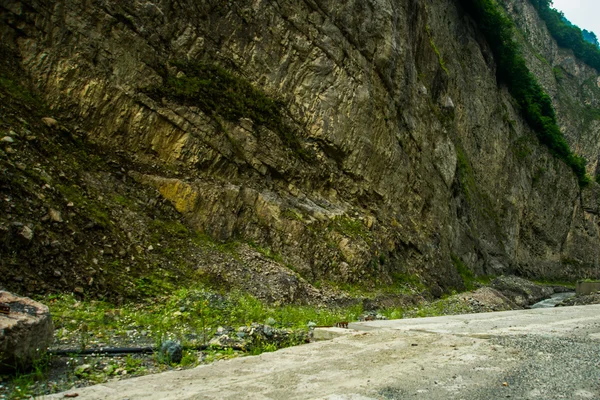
(171,352)
(55,215)
(7,139)
(150,248)
(83,369)
(267,330)
(57,273)
(78,290)
(50,122)
(26,233)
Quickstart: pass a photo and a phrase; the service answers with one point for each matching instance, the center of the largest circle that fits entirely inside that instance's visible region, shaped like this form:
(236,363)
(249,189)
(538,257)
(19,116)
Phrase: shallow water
(554,300)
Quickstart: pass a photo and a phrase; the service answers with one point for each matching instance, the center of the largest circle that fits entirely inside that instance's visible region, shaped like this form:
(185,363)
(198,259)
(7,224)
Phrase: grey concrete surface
(532,354)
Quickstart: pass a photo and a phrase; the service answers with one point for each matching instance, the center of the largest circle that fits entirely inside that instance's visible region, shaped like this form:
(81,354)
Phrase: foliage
(220,93)
(590,37)
(464,272)
(190,315)
(568,35)
(352,228)
(535,104)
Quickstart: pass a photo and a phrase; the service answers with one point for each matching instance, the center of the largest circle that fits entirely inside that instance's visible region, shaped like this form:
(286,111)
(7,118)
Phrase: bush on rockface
(535,104)
(566,34)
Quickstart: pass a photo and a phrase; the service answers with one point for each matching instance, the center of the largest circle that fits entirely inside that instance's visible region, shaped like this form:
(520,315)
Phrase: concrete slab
(328,333)
(557,320)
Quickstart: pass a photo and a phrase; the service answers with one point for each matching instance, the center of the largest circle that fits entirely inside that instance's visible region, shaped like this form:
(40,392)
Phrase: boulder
(25,333)
(521,291)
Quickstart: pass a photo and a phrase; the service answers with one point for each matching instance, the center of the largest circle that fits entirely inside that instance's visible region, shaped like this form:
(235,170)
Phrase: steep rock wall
(404,150)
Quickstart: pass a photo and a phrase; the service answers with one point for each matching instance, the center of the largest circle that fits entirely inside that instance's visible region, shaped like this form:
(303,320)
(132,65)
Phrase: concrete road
(532,354)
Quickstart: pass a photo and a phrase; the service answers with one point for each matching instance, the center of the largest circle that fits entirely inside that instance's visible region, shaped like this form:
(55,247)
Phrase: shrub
(535,104)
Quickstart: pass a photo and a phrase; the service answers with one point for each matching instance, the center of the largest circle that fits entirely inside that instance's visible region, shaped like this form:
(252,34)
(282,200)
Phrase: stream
(554,300)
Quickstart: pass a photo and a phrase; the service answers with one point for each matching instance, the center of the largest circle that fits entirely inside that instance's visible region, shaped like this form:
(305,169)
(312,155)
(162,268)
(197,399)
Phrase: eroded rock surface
(375,143)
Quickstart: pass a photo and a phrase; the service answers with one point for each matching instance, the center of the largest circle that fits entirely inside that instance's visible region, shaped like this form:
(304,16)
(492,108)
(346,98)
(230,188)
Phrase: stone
(26,233)
(25,333)
(170,352)
(83,370)
(50,122)
(55,215)
(448,103)
(7,139)
(521,291)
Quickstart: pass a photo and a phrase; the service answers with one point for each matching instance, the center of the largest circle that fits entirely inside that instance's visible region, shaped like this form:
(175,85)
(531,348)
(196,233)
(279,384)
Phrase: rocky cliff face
(364,142)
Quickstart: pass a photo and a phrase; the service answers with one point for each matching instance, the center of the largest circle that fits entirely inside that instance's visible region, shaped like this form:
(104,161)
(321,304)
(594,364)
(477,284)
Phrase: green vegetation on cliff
(535,104)
(220,93)
(568,35)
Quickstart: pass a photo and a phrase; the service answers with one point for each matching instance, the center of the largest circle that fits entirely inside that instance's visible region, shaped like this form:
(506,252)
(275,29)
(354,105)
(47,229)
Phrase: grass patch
(556,282)
(350,227)
(220,93)
(190,315)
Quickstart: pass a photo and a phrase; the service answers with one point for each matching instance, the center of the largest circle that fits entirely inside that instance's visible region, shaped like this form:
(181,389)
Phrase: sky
(583,13)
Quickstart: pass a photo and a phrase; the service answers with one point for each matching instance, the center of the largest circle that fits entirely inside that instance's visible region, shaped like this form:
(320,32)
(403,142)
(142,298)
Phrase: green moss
(436,51)
(558,73)
(93,210)
(522,147)
(220,93)
(465,273)
(267,252)
(17,91)
(465,174)
(350,227)
(292,214)
(124,201)
(169,229)
(404,280)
